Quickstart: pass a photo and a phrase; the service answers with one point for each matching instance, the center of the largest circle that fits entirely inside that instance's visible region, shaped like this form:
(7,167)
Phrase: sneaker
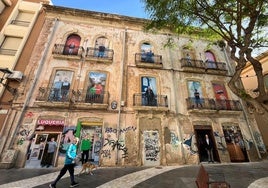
(52,186)
(75,184)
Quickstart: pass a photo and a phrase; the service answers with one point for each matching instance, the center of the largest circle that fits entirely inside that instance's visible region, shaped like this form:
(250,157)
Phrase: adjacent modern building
(20,25)
(140,102)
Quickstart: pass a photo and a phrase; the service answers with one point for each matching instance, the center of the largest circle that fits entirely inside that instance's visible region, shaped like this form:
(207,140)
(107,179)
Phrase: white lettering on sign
(50,122)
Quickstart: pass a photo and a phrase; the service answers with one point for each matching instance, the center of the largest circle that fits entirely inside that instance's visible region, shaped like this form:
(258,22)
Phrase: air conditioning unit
(16,75)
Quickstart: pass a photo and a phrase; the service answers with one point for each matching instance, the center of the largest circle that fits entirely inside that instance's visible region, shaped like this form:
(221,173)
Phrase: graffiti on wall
(259,142)
(151,145)
(24,134)
(174,139)
(221,145)
(190,144)
(121,131)
(106,153)
(116,144)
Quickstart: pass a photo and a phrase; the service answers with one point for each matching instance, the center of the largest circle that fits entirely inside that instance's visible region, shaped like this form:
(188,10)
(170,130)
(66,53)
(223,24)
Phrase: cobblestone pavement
(239,175)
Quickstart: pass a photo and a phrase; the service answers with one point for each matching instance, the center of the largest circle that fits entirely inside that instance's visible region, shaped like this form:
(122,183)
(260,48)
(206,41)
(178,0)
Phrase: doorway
(235,143)
(37,150)
(151,148)
(200,132)
(95,135)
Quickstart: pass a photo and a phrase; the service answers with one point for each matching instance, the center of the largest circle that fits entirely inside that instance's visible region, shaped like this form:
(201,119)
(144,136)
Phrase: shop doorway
(235,144)
(200,132)
(94,133)
(37,151)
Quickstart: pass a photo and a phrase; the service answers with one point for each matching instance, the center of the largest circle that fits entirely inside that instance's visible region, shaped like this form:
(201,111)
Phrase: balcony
(8,52)
(158,103)
(148,61)
(62,51)
(51,97)
(91,54)
(199,66)
(20,23)
(206,105)
(100,55)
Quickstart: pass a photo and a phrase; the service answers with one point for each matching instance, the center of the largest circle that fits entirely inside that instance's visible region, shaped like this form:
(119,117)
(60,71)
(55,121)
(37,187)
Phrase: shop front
(47,130)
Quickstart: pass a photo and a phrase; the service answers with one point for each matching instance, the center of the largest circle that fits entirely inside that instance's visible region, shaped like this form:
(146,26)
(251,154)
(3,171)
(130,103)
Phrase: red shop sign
(50,122)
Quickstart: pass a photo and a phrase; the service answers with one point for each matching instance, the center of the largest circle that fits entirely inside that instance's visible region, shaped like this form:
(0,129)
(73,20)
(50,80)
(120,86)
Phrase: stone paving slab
(239,175)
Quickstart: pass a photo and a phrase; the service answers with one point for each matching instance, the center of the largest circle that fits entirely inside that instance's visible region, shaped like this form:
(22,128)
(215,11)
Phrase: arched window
(72,44)
(101,47)
(188,56)
(210,60)
(147,52)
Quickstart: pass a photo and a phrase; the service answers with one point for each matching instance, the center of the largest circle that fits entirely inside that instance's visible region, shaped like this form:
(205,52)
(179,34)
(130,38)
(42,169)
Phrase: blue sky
(133,8)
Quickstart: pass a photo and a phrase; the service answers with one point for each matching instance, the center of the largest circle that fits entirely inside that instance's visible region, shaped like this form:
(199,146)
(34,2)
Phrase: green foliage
(235,21)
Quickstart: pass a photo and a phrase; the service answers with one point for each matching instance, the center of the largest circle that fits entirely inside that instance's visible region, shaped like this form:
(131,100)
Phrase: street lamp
(5,72)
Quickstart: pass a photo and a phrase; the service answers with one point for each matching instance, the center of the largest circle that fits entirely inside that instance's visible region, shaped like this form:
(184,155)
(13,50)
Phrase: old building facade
(140,102)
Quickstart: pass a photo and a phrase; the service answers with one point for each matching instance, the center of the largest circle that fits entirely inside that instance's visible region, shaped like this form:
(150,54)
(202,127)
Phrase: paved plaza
(238,175)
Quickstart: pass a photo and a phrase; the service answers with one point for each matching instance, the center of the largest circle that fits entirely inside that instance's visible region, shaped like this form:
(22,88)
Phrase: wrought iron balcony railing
(140,99)
(203,65)
(59,95)
(8,52)
(20,23)
(98,53)
(61,49)
(233,105)
(53,94)
(212,104)
(87,97)
(192,63)
(148,58)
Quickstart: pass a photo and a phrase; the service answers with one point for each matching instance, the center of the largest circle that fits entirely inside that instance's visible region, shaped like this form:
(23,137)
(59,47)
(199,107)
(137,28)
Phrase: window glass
(220,91)
(193,87)
(149,91)
(210,56)
(72,44)
(61,86)
(96,87)
(101,46)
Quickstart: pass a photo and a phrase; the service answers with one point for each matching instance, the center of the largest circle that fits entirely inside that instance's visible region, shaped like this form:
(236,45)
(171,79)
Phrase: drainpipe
(120,89)
(243,108)
(33,86)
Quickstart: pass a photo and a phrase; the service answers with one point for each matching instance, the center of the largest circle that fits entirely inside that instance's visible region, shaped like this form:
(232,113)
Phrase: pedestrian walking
(68,164)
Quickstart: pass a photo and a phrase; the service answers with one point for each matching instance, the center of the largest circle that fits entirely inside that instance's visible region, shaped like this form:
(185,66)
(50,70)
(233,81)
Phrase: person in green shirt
(85,147)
